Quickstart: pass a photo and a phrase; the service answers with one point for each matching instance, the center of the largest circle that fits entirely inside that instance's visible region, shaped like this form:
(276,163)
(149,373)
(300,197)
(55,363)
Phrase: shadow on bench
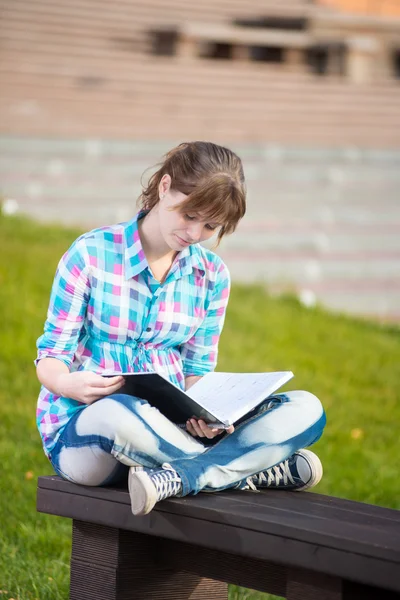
(302,546)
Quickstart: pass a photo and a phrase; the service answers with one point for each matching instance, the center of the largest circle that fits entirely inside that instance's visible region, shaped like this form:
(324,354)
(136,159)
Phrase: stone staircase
(85,108)
(82,68)
(323,223)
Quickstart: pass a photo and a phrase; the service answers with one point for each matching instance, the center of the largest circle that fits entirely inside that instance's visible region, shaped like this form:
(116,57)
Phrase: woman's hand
(86,386)
(199,428)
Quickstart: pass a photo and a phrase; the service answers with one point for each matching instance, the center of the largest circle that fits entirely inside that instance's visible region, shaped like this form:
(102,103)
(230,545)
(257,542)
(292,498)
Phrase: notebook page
(227,395)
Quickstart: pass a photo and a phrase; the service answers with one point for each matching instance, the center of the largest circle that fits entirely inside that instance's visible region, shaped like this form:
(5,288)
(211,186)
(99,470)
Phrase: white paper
(229,396)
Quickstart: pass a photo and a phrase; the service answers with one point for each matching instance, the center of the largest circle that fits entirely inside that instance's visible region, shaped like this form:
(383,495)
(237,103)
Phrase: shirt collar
(188,259)
(135,260)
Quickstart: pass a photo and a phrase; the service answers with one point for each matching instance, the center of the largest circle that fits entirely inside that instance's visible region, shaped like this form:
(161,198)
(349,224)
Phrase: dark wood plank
(112,564)
(319,505)
(306,500)
(359,591)
(307,585)
(266,512)
(221,533)
(247,572)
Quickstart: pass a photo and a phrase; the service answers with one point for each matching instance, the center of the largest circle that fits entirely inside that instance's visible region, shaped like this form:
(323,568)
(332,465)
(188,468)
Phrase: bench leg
(358,591)
(113,564)
(308,585)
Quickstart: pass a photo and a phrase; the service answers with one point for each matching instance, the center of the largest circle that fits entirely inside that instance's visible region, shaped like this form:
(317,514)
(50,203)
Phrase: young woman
(146,296)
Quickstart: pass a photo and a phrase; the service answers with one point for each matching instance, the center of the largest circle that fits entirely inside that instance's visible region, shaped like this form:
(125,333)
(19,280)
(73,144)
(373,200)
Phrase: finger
(230,429)
(197,428)
(119,382)
(107,386)
(97,392)
(190,429)
(207,431)
(98,381)
(216,432)
(110,381)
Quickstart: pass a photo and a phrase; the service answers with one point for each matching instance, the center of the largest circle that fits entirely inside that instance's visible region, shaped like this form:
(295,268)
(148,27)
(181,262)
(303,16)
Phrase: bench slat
(300,516)
(231,522)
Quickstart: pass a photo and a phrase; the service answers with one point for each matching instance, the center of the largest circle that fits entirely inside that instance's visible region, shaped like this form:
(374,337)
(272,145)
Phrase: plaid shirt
(108,313)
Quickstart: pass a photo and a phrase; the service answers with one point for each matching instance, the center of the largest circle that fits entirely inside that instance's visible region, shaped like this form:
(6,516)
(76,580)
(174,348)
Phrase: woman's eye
(212,227)
(189,218)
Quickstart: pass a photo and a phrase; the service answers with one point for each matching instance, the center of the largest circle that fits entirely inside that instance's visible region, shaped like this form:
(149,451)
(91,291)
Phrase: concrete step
(18,124)
(322,223)
(277,157)
(375,273)
(96,14)
(34,122)
(74,32)
(321,246)
(225,9)
(66,87)
(75,103)
(330,179)
(74,117)
(134,65)
(135,104)
(358,222)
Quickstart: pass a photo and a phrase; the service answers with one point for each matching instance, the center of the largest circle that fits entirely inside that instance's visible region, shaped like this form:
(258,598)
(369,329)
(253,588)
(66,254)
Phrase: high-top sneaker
(299,472)
(149,486)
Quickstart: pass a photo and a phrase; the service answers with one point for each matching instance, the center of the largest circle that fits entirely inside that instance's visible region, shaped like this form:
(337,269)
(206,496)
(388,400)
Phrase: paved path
(325,223)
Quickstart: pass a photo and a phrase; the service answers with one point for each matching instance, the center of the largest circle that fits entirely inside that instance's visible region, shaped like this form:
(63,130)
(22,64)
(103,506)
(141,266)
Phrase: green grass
(352,365)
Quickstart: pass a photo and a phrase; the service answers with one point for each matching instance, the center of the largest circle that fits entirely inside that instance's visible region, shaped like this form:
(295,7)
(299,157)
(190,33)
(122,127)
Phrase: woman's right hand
(86,386)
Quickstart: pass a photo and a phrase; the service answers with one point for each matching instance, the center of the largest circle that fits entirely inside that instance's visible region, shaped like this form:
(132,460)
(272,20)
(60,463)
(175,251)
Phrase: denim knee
(313,405)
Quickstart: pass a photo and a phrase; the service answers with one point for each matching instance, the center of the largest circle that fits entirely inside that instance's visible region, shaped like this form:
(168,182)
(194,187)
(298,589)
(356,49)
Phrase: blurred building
(284,71)
(93,92)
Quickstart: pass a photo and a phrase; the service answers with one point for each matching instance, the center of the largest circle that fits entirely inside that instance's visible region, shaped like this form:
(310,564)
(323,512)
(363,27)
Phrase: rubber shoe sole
(142,492)
(315,468)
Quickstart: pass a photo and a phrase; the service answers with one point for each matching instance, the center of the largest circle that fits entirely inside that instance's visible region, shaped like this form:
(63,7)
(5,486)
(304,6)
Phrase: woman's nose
(195,231)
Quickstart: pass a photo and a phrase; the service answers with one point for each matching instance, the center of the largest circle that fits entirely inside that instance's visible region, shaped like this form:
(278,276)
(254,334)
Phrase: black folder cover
(177,406)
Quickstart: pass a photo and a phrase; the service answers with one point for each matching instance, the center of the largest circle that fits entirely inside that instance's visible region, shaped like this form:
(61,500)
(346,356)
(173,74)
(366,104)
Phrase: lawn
(352,365)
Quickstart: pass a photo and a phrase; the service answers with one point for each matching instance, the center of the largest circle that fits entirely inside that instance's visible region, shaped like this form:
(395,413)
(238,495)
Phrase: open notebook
(220,399)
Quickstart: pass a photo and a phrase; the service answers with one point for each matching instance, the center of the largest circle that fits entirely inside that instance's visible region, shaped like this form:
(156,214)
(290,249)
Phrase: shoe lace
(167,483)
(272,476)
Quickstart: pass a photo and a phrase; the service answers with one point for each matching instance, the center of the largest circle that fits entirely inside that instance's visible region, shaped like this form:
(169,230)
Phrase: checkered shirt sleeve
(199,353)
(67,308)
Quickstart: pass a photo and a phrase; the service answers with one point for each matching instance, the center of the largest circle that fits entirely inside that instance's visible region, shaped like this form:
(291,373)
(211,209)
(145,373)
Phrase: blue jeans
(107,437)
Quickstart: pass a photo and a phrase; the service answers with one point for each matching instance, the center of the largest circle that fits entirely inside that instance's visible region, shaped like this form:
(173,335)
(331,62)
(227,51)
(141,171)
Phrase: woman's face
(179,229)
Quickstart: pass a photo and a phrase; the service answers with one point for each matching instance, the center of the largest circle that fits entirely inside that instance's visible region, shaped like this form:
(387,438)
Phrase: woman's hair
(212,178)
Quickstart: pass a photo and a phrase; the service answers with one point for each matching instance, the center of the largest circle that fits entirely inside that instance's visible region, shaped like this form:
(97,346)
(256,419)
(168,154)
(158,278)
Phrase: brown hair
(211,176)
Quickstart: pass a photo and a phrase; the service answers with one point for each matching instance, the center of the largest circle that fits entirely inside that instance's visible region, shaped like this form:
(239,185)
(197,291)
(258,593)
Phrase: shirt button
(148,329)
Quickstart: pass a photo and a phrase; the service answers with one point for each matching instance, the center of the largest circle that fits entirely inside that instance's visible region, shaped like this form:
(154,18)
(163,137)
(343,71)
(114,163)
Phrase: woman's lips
(182,241)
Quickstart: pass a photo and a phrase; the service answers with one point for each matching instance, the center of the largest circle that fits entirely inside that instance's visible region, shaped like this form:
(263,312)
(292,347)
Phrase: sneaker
(299,472)
(149,486)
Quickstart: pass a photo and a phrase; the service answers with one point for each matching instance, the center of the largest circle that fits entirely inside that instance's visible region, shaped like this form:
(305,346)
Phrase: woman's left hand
(199,428)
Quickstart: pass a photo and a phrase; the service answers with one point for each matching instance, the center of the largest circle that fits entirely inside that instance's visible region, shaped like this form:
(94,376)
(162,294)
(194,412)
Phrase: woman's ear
(164,186)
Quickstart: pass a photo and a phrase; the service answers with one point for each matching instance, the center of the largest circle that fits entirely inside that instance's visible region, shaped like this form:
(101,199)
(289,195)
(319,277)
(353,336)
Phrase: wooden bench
(302,546)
